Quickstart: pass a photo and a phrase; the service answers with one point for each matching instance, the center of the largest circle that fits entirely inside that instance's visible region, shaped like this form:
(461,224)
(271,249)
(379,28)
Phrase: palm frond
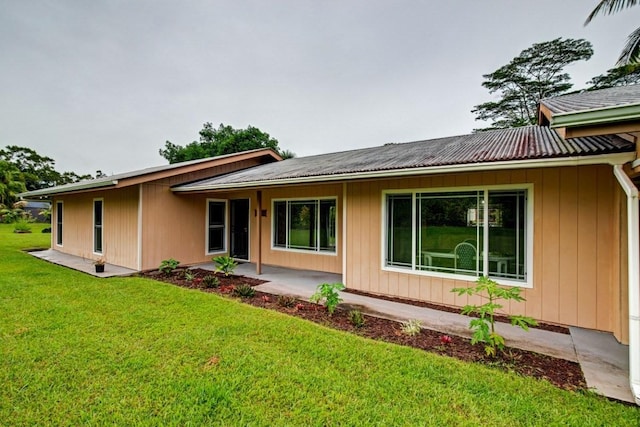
(631,52)
(608,7)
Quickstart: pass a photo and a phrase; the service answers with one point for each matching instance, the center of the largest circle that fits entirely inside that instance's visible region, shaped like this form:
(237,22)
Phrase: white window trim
(225,242)
(413,191)
(54,225)
(302,251)
(93,226)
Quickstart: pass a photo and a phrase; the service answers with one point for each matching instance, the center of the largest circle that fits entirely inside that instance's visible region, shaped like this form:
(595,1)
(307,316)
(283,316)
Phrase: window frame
(59,222)
(316,200)
(529,236)
(225,228)
(95,227)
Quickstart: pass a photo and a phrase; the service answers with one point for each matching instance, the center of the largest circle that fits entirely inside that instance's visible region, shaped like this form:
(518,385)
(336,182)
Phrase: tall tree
(11,183)
(536,73)
(619,76)
(219,141)
(631,52)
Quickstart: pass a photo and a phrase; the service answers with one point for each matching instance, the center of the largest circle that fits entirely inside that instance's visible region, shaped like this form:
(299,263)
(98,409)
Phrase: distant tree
(620,76)
(538,72)
(216,142)
(287,154)
(631,52)
(11,183)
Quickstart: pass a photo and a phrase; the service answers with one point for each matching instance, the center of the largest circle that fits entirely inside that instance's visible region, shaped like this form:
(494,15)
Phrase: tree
(534,74)
(216,142)
(619,76)
(11,183)
(631,52)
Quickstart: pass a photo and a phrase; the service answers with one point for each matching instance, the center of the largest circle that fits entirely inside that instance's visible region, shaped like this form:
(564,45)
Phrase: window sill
(304,251)
(461,277)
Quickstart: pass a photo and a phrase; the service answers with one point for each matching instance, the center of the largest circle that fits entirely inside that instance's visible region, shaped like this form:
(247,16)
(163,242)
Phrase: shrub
(411,327)
(225,264)
(286,301)
(188,275)
(357,318)
(168,265)
(328,292)
(483,327)
(244,291)
(21,226)
(210,281)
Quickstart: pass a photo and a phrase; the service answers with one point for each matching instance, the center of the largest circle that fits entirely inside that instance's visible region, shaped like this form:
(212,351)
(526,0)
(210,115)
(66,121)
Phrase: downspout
(633,249)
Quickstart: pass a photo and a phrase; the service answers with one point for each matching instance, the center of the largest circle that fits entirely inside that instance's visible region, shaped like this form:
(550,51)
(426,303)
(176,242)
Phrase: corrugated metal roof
(530,142)
(594,100)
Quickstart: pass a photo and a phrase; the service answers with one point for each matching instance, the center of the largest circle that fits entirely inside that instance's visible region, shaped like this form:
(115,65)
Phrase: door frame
(232,217)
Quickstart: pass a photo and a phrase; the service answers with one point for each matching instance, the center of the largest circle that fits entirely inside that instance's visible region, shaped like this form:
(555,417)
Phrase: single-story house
(550,208)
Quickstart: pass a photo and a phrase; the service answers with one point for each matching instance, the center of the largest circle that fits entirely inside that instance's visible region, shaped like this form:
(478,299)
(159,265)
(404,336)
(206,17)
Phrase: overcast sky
(103,84)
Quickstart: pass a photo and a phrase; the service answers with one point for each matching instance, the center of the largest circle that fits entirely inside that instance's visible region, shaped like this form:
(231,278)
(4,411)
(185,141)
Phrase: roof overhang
(46,192)
(608,159)
(597,116)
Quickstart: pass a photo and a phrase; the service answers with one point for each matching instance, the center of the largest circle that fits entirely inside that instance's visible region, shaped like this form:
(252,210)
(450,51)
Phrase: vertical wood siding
(576,243)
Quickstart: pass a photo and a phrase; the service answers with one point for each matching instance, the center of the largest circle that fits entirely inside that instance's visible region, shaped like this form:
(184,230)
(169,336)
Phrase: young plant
(225,264)
(357,318)
(483,327)
(21,226)
(244,291)
(210,281)
(328,292)
(168,265)
(189,276)
(411,327)
(286,301)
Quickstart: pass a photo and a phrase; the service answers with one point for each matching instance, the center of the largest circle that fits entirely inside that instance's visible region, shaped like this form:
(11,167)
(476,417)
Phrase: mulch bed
(561,373)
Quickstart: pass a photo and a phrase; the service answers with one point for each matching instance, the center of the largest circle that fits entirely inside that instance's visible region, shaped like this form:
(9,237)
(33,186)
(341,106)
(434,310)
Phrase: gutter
(69,189)
(596,116)
(633,255)
(610,159)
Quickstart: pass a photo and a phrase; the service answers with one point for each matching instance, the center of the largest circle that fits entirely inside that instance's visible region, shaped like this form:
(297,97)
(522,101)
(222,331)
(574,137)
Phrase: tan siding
(573,243)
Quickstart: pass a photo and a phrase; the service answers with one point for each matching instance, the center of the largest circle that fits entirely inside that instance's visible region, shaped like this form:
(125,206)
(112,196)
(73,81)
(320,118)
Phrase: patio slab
(81,264)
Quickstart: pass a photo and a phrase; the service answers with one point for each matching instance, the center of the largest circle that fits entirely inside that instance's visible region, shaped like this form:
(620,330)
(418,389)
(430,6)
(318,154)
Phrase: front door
(240,229)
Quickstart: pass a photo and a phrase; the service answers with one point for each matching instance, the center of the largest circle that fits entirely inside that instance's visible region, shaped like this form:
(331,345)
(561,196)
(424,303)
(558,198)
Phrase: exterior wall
(119,228)
(174,225)
(576,245)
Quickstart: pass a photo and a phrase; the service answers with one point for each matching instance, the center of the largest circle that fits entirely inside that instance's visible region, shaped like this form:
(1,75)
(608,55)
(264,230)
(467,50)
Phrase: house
(550,208)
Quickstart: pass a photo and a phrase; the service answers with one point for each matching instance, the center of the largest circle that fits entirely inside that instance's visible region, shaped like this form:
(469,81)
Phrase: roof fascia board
(610,159)
(596,116)
(59,190)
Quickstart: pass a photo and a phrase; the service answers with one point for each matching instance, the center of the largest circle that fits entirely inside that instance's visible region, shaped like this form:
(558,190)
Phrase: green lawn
(77,350)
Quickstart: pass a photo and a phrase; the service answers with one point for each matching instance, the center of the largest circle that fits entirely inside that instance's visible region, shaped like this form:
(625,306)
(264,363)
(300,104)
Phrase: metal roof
(593,100)
(523,143)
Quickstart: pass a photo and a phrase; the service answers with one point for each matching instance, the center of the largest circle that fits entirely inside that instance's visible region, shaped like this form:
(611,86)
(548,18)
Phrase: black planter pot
(99,268)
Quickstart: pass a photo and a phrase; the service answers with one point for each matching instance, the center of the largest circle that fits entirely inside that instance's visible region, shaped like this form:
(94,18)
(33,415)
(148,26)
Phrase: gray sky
(103,84)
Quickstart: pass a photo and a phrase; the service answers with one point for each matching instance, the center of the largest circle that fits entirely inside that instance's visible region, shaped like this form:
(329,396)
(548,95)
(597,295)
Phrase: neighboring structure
(550,208)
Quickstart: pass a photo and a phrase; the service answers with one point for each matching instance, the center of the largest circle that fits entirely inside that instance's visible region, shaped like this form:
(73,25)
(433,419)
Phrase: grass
(78,350)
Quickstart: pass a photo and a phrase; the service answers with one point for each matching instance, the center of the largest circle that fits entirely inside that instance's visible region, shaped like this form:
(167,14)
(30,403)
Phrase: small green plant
(244,291)
(286,301)
(210,281)
(188,275)
(411,327)
(483,326)
(328,292)
(225,264)
(21,226)
(357,318)
(168,265)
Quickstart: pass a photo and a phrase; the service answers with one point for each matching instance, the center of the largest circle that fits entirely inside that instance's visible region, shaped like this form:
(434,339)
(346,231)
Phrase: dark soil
(562,373)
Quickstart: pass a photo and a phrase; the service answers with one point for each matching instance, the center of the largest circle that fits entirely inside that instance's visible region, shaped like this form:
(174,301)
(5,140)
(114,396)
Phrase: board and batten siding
(120,207)
(577,245)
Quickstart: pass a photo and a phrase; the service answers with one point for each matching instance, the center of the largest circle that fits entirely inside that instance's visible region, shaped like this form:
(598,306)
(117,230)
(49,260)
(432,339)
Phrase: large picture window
(216,226)
(59,214)
(471,233)
(308,225)
(97,225)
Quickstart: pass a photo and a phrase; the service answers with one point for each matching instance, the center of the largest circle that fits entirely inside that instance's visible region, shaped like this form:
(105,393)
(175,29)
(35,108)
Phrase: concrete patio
(604,361)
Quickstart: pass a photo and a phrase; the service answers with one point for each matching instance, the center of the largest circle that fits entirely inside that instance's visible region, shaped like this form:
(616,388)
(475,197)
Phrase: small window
(216,226)
(59,223)
(97,225)
(308,225)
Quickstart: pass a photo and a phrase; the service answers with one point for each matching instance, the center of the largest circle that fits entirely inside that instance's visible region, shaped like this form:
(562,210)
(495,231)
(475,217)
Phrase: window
(59,223)
(97,225)
(216,226)
(470,233)
(307,225)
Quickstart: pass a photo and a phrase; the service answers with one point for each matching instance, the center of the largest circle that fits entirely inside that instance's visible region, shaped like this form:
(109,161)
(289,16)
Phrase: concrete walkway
(603,360)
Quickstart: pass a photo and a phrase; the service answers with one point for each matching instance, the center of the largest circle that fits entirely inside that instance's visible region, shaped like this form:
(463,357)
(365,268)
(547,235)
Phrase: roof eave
(44,192)
(596,116)
(611,159)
